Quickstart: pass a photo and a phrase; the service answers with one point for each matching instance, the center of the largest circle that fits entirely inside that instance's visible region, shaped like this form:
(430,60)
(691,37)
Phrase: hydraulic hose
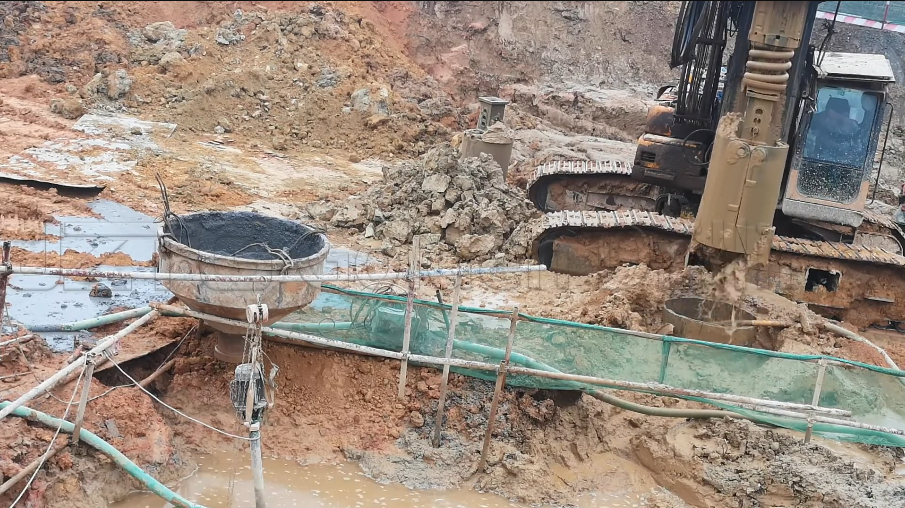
(107,449)
(665,411)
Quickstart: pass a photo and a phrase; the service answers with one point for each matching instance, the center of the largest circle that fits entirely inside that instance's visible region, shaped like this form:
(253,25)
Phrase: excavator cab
(837,141)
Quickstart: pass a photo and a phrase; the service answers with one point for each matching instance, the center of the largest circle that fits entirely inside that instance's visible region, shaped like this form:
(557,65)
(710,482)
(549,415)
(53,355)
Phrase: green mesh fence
(874,395)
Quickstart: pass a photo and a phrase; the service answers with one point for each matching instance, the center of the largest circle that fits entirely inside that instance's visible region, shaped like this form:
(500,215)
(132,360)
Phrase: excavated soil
(462,207)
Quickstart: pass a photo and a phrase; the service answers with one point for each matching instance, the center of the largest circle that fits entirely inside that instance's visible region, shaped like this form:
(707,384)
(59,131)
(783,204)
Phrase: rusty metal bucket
(240,243)
(698,318)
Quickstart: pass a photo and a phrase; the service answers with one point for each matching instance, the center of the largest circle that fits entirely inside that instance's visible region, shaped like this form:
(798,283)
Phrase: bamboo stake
(498,390)
(4,278)
(414,267)
(444,383)
(86,391)
(818,386)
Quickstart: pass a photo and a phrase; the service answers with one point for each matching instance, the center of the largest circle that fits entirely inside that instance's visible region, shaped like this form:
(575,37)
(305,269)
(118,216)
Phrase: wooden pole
(414,265)
(157,373)
(444,383)
(29,469)
(86,391)
(818,387)
(498,390)
(4,279)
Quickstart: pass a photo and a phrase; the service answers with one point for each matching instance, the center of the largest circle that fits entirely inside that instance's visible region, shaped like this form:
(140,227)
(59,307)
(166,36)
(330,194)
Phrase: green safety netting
(874,395)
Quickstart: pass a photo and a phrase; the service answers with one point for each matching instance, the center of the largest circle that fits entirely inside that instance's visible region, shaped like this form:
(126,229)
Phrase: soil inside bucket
(246,235)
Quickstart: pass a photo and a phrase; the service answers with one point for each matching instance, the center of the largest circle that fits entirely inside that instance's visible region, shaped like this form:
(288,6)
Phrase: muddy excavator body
(767,158)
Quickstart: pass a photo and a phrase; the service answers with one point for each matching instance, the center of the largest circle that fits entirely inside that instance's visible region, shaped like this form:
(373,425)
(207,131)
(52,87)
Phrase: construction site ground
(348,115)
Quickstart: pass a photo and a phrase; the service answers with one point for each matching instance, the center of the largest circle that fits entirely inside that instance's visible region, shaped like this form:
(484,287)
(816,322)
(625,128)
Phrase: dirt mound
(319,78)
(744,465)
(631,297)
(25,210)
(458,207)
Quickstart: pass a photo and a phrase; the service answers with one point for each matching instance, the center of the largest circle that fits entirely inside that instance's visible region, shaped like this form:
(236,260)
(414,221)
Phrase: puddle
(120,229)
(50,300)
(224,480)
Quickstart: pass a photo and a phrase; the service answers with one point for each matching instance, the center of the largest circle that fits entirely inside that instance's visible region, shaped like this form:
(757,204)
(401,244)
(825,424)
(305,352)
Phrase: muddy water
(224,481)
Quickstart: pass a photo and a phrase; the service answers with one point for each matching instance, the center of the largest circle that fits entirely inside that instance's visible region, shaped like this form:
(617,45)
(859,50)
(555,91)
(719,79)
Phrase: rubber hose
(665,411)
(600,395)
(107,449)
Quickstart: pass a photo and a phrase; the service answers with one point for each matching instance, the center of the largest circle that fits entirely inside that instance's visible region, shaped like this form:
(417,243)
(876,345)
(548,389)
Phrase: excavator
(765,156)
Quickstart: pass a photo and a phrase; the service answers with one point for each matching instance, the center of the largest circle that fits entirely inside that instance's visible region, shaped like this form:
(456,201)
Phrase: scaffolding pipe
(201,277)
(107,449)
(655,388)
(75,365)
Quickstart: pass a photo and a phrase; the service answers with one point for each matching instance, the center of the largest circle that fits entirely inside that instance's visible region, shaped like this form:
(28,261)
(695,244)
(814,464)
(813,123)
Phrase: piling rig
(770,159)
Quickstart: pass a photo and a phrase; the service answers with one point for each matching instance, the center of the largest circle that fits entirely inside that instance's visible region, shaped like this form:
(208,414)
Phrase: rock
(225,124)
(375,121)
(361,99)
(436,183)
(497,133)
(279,142)
(351,215)
(228,35)
(417,419)
(118,84)
(400,231)
(320,210)
(96,86)
(469,247)
(162,31)
(100,290)
(219,130)
(369,231)
(328,78)
(171,61)
(70,109)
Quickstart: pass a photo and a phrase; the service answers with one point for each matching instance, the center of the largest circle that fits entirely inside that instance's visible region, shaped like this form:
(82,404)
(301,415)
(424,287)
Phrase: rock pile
(461,207)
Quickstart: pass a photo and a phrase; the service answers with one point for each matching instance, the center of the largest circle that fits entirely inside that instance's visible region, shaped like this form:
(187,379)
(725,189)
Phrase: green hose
(107,449)
(86,324)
